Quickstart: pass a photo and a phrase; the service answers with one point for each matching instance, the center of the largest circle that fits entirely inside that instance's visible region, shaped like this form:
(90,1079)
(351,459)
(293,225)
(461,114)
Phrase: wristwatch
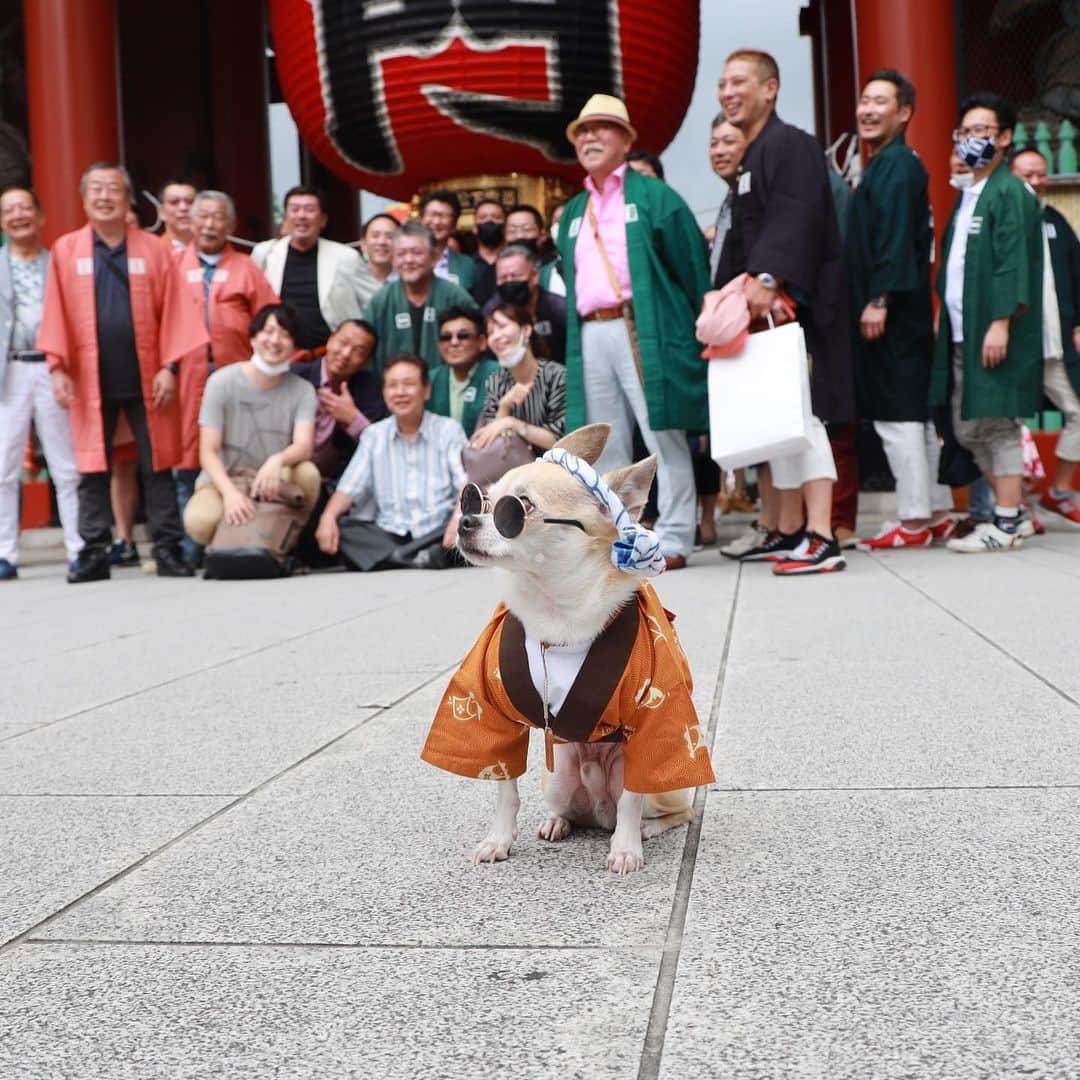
(173,367)
(767,280)
(881,301)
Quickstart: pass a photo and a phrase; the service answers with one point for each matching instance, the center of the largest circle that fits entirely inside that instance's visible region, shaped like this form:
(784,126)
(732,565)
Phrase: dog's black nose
(469,522)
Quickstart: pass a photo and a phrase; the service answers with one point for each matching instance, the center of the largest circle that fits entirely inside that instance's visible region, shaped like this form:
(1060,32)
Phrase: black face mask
(532,244)
(515,292)
(490,233)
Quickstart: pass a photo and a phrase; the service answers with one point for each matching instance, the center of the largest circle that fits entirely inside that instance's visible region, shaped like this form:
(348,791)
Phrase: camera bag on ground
(260,547)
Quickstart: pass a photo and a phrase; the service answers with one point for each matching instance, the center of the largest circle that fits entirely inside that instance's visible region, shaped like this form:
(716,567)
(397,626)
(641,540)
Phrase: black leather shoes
(169,564)
(92,567)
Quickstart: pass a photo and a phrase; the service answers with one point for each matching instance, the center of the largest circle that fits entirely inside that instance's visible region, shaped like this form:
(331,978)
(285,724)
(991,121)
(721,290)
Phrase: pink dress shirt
(592,284)
(324,422)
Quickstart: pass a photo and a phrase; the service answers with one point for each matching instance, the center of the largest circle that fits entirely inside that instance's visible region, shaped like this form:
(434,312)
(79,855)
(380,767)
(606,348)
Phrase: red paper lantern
(393,94)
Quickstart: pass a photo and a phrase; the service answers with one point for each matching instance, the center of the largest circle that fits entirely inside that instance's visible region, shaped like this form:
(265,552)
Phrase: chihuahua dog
(580,649)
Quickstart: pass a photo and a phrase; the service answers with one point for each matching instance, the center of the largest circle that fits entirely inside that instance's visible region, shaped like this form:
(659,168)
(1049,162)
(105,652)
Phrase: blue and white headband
(637,550)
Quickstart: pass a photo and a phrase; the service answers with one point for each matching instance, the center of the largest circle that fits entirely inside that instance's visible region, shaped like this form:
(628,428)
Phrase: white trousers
(27,395)
(613,395)
(814,463)
(1059,390)
(913,452)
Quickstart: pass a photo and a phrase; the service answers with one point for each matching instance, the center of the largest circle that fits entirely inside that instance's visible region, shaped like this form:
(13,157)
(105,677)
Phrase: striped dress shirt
(415,483)
(544,407)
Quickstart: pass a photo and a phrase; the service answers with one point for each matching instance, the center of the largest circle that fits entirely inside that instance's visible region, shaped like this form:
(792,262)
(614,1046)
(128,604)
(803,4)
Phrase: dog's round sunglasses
(508,514)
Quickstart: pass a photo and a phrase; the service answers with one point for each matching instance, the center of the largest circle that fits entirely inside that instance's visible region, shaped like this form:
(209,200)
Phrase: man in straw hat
(635,269)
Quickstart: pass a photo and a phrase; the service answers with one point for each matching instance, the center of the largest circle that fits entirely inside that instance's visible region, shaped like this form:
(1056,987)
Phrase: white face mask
(517,354)
(267,368)
(962,180)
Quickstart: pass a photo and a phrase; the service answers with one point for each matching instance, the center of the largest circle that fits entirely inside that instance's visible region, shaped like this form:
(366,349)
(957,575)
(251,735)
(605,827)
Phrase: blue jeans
(981,500)
(185,488)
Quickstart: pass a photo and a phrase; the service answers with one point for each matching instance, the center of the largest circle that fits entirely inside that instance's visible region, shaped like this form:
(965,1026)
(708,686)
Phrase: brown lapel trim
(514,670)
(592,690)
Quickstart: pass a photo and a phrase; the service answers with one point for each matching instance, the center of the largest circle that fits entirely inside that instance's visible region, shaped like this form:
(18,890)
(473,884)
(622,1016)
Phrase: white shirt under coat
(954,268)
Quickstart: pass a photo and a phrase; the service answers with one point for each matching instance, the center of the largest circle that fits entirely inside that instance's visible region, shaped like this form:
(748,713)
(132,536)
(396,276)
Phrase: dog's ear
(631,483)
(586,443)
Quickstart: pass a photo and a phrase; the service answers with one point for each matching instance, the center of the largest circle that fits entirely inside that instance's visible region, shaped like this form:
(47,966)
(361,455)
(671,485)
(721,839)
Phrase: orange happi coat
(170,247)
(634,687)
(68,334)
(238,289)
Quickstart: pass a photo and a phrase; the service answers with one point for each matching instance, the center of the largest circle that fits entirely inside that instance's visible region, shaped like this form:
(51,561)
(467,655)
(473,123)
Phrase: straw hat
(604,107)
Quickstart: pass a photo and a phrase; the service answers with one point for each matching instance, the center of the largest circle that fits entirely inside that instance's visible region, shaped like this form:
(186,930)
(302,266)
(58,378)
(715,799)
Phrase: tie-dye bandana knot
(637,549)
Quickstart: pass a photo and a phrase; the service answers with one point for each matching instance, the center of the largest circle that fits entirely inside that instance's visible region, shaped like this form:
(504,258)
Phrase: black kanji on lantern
(581,38)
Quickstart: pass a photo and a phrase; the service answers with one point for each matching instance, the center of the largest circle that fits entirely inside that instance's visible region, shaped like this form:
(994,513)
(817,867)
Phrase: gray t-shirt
(28,279)
(255,423)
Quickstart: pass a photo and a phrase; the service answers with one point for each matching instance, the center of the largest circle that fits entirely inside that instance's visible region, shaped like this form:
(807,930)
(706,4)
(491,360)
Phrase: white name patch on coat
(84,266)
(194,276)
(221,275)
(744,183)
(1051,231)
(575,227)
(136,266)
(402,320)
(429,314)
(470,394)
(631,212)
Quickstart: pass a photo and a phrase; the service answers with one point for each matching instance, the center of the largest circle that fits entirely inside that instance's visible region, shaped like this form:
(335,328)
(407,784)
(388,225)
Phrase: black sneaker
(124,553)
(89,566)
(776,545)
(169,564)
(815,555)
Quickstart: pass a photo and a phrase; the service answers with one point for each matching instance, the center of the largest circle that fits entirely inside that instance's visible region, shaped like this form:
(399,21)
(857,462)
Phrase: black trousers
(159,491)
(364,546)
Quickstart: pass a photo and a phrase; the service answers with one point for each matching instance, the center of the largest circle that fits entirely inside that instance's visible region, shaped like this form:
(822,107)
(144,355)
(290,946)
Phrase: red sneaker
(1065,507)
(943,530)
(894,535)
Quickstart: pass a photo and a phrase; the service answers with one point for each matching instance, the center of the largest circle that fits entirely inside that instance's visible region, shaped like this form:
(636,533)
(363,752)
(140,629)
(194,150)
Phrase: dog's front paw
(624,861)
(554,828)
(492,849)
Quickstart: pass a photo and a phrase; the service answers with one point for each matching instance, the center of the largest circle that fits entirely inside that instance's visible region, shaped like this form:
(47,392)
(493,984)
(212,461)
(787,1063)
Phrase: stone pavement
(221,856)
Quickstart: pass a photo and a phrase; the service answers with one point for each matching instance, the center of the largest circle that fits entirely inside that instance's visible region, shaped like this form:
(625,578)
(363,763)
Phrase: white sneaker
(738,547)
(987,537)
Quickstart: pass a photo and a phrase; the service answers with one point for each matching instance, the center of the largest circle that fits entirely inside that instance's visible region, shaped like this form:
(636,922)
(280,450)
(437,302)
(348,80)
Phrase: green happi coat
(669,275)
(388,311)
(887,251)
(461,270)
(1003,271)
(475,392)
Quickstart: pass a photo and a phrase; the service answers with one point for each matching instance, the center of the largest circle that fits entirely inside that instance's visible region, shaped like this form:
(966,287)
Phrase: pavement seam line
(979,634)
(214,667)
(327,946)
(161,848)
(652,1052)
(122,794)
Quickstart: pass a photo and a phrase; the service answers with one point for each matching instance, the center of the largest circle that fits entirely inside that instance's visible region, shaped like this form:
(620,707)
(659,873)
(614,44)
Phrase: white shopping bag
(759,401)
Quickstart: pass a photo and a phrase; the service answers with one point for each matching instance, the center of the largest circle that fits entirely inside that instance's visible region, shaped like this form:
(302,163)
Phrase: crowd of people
(366,387)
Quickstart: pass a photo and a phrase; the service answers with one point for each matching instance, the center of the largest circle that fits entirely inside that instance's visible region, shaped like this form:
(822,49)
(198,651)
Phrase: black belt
(27,356)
